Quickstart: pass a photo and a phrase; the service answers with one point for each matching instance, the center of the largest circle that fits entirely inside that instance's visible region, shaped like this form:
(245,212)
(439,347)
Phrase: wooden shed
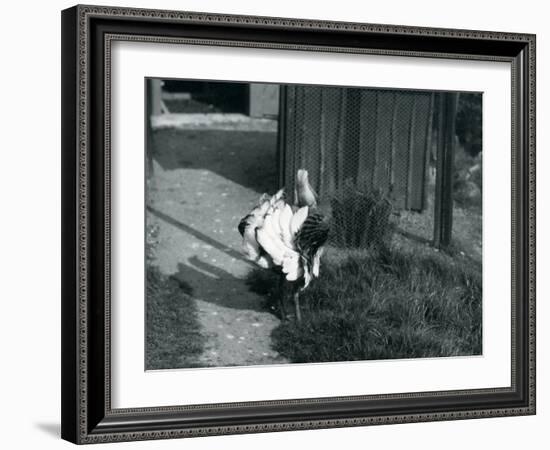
(373,139)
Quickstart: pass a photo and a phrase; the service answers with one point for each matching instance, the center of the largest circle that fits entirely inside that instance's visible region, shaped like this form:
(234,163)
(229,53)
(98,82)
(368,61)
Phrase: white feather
(272,246)
(291,266)
(251,248)
(270,228)
(278,196)
(284,223)
(307,277)
(261,209)
(298,220)
(274,222)
(264,262)
(317,262)
(250,245)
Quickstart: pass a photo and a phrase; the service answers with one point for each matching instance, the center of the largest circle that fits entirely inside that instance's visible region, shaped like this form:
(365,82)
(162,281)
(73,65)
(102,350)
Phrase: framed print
(281,224)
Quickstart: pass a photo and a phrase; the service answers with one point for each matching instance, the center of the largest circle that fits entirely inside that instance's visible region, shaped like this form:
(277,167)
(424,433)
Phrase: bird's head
(304,193)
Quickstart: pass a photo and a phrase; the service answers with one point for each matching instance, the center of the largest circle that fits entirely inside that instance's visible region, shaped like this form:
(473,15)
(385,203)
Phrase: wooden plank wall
(370,138)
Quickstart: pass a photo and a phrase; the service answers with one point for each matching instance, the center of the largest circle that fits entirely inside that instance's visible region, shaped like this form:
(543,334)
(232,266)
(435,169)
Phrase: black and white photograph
(275,225)
(290,223)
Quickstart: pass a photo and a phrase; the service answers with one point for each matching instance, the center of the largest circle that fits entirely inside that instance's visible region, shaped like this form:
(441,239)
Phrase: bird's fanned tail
(291,238)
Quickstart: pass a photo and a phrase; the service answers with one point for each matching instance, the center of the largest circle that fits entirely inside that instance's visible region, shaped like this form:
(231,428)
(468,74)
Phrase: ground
(198,195)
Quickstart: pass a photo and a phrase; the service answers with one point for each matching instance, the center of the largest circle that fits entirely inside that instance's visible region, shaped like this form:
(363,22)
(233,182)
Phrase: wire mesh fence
(367,152)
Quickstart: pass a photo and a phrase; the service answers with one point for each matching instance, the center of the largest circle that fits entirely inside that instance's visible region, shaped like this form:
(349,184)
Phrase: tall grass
(383,305)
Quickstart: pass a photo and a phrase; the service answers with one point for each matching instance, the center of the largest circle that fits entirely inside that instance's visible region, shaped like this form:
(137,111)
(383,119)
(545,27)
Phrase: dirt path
(197,211)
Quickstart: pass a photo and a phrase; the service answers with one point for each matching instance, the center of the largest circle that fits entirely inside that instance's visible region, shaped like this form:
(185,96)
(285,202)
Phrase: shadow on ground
(244,157)
(214,285)
(199,235)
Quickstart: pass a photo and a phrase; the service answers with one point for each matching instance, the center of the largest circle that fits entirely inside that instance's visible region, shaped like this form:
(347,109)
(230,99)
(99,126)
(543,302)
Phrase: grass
(174,337)
(383,305)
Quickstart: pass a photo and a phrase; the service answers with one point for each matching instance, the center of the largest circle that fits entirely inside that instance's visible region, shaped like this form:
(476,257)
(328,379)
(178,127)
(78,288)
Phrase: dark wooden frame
(87,32)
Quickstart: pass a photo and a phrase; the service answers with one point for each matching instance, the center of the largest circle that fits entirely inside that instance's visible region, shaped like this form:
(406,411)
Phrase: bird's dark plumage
(313,234)
(242,224)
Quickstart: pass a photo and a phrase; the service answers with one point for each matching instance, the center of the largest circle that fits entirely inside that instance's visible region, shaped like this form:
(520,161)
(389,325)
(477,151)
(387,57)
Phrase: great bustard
(288,238)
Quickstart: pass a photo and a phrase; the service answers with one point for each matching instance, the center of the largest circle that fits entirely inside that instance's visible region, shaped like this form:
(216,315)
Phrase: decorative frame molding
(87,34)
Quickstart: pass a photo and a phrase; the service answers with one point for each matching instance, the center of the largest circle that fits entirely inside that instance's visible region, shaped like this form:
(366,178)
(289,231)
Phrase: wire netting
(368,153)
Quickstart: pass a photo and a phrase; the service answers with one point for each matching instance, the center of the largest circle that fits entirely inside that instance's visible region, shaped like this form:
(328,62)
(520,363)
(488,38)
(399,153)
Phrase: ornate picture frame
(88,33)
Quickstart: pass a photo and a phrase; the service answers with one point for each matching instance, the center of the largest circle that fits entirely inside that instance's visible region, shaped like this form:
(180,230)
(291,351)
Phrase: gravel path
(197,206)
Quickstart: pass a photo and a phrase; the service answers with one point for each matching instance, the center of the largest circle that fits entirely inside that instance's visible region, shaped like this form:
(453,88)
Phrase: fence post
(282,125)
(443,208)
(153,108)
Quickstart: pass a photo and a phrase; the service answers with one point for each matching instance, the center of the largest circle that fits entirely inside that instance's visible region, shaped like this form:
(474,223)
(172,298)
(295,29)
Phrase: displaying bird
(287,238)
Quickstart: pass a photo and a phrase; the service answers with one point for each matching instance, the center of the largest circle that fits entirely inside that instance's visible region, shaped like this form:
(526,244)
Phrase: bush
(467,182)
(468,122)
(361,219)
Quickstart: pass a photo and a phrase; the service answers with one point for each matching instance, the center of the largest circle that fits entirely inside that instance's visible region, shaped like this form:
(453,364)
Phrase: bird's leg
(282,294)
(297,305)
